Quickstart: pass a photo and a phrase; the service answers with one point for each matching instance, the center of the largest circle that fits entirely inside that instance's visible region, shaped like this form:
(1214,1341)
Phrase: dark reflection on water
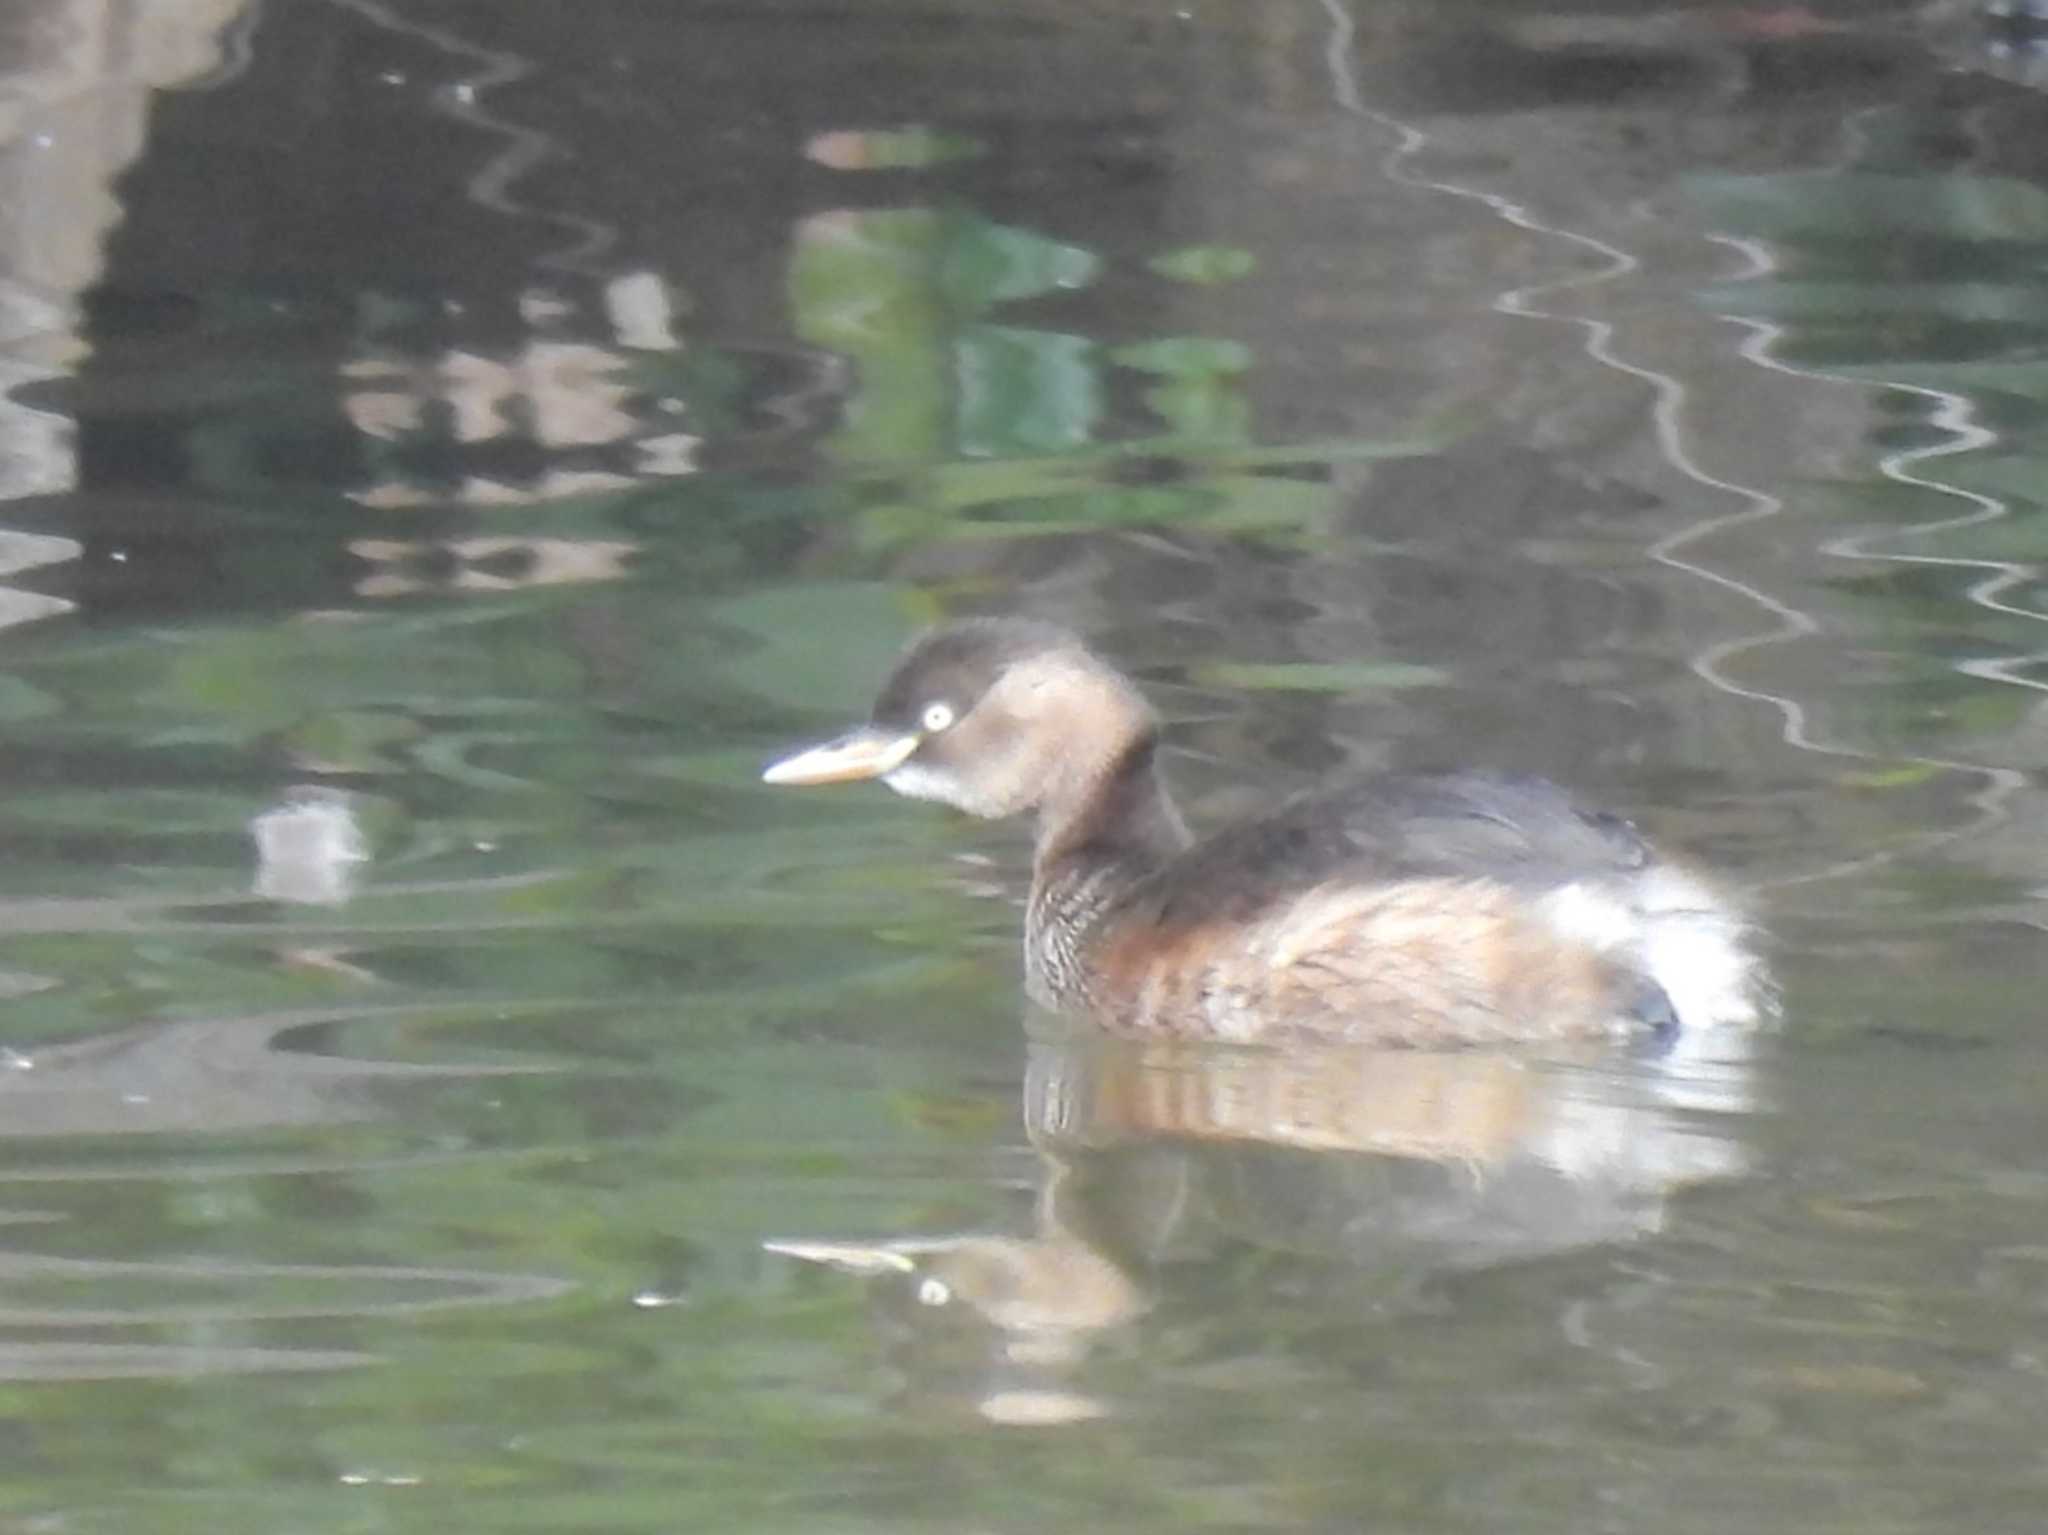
(447,446)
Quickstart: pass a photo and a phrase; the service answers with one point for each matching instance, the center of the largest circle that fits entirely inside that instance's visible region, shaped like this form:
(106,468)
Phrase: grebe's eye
(937,717)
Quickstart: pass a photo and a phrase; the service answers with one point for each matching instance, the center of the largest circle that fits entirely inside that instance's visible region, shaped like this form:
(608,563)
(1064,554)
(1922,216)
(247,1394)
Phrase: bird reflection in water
(1384,1168)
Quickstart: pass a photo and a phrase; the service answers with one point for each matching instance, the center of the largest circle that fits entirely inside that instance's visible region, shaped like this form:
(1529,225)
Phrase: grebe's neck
(1112,827)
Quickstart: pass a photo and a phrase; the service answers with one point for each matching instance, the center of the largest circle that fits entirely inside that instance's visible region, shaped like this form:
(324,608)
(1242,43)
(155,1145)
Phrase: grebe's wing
(1520,832)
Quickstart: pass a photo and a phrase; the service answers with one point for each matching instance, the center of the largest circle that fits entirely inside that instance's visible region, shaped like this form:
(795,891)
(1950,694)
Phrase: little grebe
(1460,909)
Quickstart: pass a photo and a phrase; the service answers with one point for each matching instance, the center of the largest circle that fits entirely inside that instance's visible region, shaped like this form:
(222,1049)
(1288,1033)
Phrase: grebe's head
(994,716)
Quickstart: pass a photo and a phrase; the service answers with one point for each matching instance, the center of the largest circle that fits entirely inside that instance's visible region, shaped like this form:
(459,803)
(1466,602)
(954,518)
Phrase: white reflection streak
(525,147)
(1954,414)
(237,47)
(1669,395)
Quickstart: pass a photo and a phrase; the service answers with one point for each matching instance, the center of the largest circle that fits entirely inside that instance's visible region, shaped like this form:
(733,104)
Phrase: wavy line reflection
(1669,394)
(524,148)
(1954,416)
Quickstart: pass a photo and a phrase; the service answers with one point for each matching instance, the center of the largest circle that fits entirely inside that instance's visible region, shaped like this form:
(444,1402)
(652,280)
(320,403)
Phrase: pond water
(448,446)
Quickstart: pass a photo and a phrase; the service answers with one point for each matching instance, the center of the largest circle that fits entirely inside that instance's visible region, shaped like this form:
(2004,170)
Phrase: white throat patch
(915,781)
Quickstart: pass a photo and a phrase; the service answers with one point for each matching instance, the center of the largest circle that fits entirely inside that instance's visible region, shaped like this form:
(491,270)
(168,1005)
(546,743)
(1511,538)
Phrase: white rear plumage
(1678,930)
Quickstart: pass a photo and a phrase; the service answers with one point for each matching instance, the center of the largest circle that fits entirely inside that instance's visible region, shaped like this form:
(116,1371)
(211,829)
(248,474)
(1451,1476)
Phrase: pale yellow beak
(864,753)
